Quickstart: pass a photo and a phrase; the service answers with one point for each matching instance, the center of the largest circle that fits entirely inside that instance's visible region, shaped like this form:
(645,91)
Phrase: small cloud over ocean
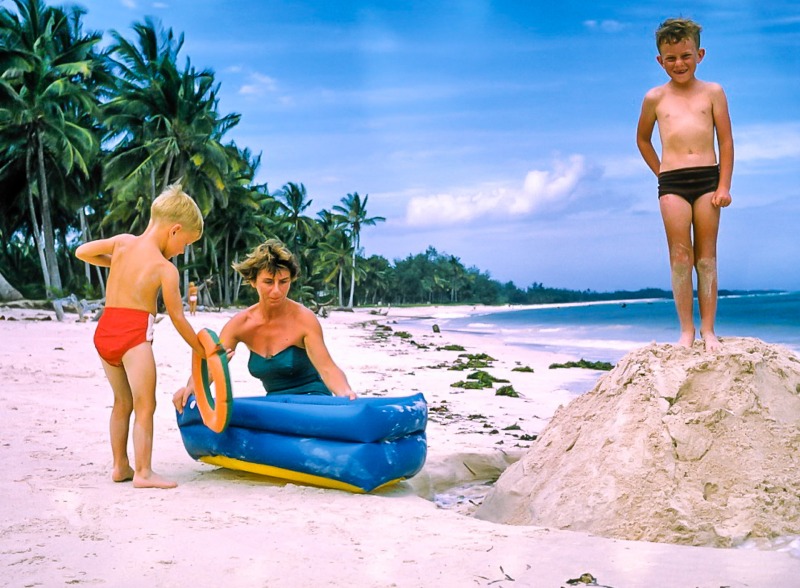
(547,189)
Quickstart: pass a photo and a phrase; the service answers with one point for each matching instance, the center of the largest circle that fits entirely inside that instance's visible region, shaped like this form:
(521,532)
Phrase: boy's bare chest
(682,111)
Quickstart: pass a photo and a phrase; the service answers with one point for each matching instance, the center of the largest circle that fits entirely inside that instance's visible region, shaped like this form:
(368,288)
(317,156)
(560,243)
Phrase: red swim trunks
(121,329)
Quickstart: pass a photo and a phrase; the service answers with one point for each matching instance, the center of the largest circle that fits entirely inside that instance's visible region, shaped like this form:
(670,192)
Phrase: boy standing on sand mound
(140,266)
(692,185)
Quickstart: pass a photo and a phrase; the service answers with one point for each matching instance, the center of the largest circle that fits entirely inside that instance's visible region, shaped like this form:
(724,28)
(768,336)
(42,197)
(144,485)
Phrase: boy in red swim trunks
(692,184)
(139,267)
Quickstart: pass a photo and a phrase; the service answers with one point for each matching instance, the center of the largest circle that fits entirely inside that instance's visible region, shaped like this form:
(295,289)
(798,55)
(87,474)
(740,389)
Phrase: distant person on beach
(692,184)
(140,266)
(287,350)
(192,298)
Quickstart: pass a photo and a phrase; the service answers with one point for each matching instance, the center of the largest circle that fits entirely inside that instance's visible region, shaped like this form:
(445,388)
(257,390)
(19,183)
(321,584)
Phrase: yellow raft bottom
(275,472)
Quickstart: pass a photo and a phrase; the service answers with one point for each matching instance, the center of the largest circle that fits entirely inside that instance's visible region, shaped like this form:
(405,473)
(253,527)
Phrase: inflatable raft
(356,445)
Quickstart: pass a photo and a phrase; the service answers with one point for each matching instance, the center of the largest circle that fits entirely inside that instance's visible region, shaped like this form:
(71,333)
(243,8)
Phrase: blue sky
(502,132)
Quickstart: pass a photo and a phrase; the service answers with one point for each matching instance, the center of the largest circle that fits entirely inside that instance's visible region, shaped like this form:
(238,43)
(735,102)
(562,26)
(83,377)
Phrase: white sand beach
(64,522)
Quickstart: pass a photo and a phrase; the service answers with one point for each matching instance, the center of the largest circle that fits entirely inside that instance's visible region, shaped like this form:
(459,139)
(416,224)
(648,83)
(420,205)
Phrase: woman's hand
(181,396)
(348,394)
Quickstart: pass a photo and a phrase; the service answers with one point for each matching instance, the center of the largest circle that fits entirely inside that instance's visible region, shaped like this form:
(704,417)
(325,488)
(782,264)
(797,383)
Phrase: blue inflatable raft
(356,445)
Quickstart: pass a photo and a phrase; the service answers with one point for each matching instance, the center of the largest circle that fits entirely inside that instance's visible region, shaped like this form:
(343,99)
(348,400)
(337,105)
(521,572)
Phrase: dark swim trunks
(689,182)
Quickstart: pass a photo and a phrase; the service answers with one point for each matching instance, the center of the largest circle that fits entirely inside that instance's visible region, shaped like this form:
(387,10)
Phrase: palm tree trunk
(224,277)
(352,278)
(153,184)
(85,234)
(341,272)
(167,171)
(47,224)
(38,238)
(7,291)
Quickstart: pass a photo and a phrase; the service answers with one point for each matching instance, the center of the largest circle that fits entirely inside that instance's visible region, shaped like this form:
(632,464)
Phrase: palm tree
(335,259)
(292,200)
(167,125)
(378,280)
(353,212)
(240,225)
(45,62)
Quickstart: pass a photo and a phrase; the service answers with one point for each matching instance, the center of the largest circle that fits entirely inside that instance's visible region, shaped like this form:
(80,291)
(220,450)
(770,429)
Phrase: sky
(502,132)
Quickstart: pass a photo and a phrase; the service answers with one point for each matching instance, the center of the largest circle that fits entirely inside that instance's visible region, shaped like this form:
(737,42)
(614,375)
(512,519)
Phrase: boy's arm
(722,126)
(171,293)
(644,133)
(97,252)
(228,339)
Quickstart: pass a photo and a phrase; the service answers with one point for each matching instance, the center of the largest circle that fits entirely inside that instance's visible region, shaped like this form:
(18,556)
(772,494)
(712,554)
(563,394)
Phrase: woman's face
(273,288)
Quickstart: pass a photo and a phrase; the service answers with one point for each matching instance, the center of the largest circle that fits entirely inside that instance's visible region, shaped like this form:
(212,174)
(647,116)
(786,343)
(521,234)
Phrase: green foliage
(468,385)
(485,378)
(589,365)
(507,391)
(451,348)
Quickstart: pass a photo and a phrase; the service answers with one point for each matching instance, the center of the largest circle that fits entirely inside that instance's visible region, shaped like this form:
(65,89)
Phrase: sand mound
(673,445)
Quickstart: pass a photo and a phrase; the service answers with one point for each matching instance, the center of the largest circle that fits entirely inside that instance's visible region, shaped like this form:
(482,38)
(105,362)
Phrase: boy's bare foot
(686,339)
(153,480)
(711,341)
(122,474)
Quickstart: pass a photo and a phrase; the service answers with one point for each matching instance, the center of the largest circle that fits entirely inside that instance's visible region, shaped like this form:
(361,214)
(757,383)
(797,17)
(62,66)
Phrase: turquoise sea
(606,331)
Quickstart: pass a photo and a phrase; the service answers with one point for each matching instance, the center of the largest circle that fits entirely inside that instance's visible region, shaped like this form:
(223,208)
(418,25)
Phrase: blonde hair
(675,30)
(272,256)
(174,205)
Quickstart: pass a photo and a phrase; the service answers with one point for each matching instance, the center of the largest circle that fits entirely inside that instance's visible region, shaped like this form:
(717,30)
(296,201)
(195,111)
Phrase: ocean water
(607,331)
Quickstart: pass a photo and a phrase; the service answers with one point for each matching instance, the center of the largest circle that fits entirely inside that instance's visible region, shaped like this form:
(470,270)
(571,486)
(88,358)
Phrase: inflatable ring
(216,412)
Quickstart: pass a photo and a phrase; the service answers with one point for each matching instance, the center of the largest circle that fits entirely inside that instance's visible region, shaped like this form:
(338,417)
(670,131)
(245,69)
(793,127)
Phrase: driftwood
(82,307)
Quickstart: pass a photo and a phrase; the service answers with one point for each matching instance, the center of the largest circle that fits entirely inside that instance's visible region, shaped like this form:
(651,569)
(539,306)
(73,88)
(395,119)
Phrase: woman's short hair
(272,256)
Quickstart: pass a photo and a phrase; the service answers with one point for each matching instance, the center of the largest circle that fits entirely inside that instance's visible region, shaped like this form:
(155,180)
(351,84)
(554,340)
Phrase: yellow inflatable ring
(215,410)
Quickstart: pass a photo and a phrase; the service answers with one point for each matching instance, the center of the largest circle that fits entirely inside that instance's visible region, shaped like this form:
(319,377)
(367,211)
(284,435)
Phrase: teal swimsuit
(287,372)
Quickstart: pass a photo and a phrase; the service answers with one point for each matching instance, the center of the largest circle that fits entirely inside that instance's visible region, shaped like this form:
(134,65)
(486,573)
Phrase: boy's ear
(700,54)
(175,229)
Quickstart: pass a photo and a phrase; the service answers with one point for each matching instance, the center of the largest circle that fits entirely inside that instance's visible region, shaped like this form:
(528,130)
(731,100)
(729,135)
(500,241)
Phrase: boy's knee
(681,255)
(681,265)
(706,265)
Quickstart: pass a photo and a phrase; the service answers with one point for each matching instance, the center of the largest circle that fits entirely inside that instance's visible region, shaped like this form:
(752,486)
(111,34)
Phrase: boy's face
(680,59)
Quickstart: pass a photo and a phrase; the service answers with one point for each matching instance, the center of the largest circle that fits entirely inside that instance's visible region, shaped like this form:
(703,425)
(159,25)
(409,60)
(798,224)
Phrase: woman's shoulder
(242,318)
(304,316)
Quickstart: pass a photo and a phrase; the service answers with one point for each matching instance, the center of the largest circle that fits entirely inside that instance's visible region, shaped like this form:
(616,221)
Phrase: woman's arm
(331,374)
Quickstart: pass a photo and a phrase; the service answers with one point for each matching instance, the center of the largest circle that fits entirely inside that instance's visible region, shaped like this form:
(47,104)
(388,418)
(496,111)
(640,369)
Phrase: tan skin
(689,113)
(139,268)
(273,324)
(192,294)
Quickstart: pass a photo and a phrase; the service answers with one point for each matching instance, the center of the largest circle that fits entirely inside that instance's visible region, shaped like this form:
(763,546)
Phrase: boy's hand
(721,198)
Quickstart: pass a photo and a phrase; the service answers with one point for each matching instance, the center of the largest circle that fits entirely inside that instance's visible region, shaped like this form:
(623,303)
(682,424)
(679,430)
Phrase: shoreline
(66,522)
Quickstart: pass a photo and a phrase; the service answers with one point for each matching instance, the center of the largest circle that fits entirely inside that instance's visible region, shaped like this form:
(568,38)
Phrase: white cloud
(259,85)
(129,4)
(767,142)
(541,190)
(607,26)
